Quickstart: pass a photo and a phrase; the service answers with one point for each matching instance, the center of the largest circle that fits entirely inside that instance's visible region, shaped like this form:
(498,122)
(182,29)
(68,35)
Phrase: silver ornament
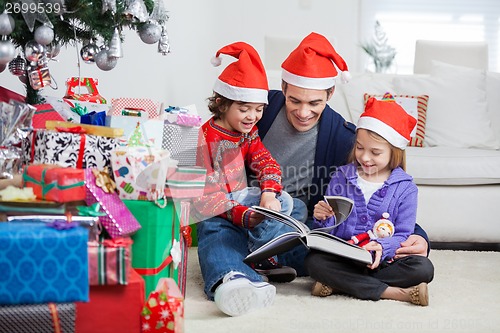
(150,33)
(7,51)
(115,46)
(7,24)
(2,67)
(53,50)
(136,11)
(164,43)
(104,62)
(88,53)
(44,35)
(17,66)
(33,51)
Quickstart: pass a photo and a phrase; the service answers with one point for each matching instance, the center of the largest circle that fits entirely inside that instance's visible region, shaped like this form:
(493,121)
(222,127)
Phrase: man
(308,138)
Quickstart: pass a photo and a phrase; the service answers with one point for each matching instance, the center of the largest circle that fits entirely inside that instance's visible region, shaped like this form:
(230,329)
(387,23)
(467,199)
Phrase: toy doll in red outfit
(383,228)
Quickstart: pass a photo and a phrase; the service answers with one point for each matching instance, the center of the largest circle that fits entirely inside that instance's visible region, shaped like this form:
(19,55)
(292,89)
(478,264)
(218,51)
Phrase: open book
(318,239)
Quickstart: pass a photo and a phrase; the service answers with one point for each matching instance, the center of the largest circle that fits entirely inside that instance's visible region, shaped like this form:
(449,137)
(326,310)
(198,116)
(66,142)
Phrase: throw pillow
(416,106)
(457,114)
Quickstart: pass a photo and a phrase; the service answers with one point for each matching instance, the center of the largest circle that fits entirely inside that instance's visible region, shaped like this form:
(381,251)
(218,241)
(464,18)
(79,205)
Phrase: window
(405,21)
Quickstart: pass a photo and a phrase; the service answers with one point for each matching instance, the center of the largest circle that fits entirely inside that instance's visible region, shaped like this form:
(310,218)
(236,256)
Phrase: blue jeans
(222,246)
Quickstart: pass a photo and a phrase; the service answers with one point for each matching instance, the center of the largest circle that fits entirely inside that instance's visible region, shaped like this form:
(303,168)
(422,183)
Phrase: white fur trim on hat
(384,130)
(250,95)
(307,82)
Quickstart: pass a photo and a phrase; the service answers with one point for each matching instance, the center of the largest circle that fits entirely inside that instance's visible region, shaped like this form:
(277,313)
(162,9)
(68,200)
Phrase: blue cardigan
(336,138)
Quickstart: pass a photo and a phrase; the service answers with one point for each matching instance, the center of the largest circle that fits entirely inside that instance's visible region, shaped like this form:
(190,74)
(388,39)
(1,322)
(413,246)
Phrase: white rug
(464,297)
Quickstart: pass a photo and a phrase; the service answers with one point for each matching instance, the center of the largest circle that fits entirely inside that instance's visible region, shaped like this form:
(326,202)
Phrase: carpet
(463,297)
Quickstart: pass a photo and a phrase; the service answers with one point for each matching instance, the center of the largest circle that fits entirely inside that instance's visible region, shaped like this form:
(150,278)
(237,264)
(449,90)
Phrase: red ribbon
(117,242)
(40,77)
(154,271)
(74,129)
(55,317)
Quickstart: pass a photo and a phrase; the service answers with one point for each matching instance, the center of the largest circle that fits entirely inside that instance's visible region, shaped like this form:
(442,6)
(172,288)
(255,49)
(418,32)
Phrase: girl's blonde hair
(398,156)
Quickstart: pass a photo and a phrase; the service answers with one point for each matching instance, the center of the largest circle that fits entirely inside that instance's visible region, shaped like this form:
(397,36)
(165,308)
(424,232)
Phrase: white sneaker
(238,294)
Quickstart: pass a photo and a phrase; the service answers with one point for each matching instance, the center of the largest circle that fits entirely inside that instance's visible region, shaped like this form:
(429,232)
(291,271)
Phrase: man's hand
(414,245)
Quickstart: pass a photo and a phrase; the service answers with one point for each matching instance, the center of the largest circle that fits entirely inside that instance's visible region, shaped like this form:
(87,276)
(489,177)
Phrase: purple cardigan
(398,197)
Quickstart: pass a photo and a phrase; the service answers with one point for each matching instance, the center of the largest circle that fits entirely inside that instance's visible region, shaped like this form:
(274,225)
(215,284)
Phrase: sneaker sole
(275,275)
(241,296)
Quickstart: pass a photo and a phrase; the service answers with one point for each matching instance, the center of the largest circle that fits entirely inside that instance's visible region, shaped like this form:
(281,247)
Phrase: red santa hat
(312,64)
(244,80)
(389,120)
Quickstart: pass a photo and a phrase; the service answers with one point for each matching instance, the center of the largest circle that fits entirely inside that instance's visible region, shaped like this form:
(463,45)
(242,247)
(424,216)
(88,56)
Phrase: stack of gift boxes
(115,260)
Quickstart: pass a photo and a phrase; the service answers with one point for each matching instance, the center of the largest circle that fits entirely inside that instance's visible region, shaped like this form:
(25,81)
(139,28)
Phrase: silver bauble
(7,51)
(17,66)
(7,24)
(44,35)
(23,78)
(88,53)
(115,46)
(104,62)
(33,51)
(150,33)
(2,67)
(53,50)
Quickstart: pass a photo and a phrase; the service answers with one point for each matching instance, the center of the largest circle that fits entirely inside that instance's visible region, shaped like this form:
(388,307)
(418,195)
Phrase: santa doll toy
(383,228)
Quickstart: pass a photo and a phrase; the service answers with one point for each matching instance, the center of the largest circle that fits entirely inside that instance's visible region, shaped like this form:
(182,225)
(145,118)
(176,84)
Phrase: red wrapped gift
(53,183)
(112,309)
(164,309)
(6,95)
(89,87)
(43,113)
(109,261)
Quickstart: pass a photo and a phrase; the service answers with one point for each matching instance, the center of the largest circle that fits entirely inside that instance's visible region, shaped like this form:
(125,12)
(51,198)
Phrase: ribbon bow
(75,129)
(78,109)
(62,225)
(93,210)
(104,181)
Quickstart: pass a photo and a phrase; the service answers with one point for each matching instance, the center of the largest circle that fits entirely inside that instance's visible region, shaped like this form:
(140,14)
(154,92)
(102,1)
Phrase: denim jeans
(222,246)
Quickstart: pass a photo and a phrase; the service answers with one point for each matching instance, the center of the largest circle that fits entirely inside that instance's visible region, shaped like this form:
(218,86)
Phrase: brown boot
(321,290)
(419,295)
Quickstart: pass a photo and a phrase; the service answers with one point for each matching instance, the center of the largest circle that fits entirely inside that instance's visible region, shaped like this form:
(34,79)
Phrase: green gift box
(157,245)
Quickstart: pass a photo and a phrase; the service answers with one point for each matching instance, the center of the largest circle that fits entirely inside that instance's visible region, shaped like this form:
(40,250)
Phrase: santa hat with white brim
(313,64)
(389,120)
(244,80)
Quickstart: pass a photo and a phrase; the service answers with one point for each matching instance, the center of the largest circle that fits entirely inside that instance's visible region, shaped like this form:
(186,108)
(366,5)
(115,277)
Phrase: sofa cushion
(457,114)
(416,106)
(453,166)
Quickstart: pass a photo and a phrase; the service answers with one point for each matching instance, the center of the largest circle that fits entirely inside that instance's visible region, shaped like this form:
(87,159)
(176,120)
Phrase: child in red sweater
(229,146)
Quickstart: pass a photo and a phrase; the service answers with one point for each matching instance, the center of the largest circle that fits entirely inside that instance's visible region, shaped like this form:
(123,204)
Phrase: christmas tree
(379,50)
(33,32)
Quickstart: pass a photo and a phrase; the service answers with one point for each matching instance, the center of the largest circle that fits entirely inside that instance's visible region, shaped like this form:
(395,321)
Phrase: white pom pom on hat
(216,61)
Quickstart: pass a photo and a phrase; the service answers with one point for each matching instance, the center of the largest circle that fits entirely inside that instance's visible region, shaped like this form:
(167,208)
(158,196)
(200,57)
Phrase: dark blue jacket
(335,140)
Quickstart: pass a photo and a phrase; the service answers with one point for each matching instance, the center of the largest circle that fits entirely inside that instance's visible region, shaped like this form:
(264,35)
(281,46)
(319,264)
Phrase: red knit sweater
(225,155)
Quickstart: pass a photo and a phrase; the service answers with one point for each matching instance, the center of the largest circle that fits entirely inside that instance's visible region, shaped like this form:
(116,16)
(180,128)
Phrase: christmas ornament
(108,5)
(159,13)
(104,62)
(2,67)
(115,46)
(44,35)
(163,43)
(136,11)
(150,33)
(17,66)
(33,51)
(7,51)
(7,24)
(39,76)
(88,53)
(52,50)
(30,16)
(23,78)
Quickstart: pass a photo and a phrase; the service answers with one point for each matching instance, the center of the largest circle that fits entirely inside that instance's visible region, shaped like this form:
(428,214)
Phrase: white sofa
(458,168)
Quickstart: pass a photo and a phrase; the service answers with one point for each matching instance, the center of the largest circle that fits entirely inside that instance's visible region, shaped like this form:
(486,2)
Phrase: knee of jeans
(286,203)
(299,210)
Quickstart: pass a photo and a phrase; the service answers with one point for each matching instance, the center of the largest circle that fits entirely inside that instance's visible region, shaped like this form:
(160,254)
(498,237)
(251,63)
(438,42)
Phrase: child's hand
(268,200)
(322,211)
(376,248)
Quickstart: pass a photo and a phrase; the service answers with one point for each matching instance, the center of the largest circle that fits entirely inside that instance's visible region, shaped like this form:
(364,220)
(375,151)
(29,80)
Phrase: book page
(275,246)
(286,219)
(342,207)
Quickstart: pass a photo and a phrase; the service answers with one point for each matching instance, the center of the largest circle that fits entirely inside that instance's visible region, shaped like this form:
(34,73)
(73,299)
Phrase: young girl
(381,189)
(229,146)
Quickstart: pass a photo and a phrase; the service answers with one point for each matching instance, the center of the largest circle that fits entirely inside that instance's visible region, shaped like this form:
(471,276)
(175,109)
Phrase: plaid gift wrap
(53,183)
(181,142)
(123,106)
(164,309)
(118,220)
(39,318)
(157,250)
(109,261)
(40,264)
(71,148)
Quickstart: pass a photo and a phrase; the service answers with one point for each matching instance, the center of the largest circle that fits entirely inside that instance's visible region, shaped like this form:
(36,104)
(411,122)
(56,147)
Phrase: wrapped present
(164,309)
(109,261)
(43,264)
(88,129)
(75,86)
(186,182)
(68,149)
(40,318)
(181,142)
(141,107)
(43,113)
(53,183)
(127,123)
(183,116)
(6,95)
(156,251)
(112,309)
(118,220)
(94,118)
